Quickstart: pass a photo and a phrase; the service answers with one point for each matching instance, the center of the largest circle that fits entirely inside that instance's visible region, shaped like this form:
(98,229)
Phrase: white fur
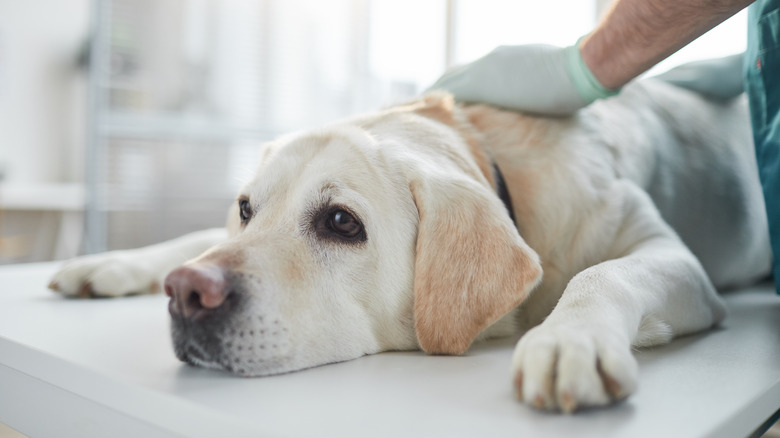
(594,197)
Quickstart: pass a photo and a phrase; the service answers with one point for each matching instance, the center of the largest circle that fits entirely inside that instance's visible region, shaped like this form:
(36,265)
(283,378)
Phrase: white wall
(41,90)
(728,38)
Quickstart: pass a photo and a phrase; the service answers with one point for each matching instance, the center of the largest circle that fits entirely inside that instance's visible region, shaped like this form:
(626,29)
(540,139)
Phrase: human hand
(534,78)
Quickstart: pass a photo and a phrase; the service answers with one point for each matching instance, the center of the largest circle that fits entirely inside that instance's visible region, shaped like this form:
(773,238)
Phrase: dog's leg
(652,289)
(134,271)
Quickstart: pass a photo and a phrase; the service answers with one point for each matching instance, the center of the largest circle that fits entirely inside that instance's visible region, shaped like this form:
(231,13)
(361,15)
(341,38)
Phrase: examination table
(105,368)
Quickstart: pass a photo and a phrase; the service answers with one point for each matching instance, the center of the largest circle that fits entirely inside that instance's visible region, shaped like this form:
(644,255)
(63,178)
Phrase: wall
(41,89)
(42,125)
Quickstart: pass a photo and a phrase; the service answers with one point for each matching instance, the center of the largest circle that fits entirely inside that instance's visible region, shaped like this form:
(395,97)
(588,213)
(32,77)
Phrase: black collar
(503,192)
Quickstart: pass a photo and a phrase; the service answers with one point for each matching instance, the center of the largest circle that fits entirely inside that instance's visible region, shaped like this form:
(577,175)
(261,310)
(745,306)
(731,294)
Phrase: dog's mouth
(193,354)
(233,338)
(195,344)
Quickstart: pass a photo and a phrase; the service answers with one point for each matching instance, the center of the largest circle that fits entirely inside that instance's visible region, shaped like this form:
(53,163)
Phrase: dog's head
(380,233)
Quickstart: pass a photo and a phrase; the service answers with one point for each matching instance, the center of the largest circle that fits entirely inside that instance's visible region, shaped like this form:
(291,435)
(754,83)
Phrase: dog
(432,225)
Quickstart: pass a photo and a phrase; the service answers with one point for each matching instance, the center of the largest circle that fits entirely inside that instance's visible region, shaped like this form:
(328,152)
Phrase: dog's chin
(191,354)
(194,354)
(232,345)
(246,365)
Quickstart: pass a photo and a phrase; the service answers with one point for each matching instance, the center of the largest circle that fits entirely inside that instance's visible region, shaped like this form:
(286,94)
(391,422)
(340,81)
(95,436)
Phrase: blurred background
(128,122)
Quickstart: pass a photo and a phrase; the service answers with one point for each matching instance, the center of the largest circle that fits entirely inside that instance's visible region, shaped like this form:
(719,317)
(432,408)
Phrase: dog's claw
(568,403)
(539,401)
(611,385)
(85,291)
(518,385)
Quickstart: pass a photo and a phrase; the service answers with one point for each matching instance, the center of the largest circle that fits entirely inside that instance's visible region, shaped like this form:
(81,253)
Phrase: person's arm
(631,38)
(637,34)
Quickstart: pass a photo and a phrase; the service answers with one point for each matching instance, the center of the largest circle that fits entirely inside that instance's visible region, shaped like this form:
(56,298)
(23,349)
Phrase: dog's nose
(196,289)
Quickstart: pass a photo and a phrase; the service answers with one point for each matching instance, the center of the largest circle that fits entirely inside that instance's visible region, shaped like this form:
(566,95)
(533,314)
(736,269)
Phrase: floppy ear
(472,266)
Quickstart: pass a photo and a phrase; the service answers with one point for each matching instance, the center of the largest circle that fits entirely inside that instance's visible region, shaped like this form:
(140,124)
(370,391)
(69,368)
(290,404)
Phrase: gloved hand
(719,78)
(535,78)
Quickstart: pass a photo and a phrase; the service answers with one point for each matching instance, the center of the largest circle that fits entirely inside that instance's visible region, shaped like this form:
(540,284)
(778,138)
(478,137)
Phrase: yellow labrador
(394,231)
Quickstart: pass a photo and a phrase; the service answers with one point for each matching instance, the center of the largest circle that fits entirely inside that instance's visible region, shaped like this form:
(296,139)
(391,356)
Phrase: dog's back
(693,156)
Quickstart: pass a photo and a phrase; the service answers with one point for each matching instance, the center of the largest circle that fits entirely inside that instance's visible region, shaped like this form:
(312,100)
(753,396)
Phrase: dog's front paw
(110,274)
(568,367)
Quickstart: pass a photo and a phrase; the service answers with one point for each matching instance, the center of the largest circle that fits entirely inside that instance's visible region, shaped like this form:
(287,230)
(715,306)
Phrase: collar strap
(503,192)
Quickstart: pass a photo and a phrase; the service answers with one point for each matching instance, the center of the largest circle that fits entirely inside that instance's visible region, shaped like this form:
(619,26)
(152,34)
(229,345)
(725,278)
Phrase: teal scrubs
(762,83)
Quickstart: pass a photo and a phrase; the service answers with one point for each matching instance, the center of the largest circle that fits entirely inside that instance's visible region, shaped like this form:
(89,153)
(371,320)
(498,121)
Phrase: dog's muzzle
(217,321)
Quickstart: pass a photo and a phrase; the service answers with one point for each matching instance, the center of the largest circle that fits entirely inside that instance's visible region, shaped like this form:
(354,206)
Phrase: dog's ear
(472,267)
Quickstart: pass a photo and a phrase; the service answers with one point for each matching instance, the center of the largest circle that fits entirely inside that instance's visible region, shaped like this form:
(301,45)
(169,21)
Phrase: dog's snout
(196,289)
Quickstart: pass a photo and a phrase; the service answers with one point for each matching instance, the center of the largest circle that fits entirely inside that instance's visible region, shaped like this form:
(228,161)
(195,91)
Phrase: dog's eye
(245,210)
(345,224)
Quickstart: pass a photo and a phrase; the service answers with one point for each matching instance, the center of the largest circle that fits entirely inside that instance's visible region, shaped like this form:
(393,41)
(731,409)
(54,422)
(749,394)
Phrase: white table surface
(81,368)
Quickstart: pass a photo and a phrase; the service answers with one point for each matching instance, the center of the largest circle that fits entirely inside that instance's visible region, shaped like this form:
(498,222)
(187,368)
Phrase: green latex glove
(719,78)
(536,78)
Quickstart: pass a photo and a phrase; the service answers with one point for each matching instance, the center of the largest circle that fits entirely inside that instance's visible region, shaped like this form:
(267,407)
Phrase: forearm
(637,34)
